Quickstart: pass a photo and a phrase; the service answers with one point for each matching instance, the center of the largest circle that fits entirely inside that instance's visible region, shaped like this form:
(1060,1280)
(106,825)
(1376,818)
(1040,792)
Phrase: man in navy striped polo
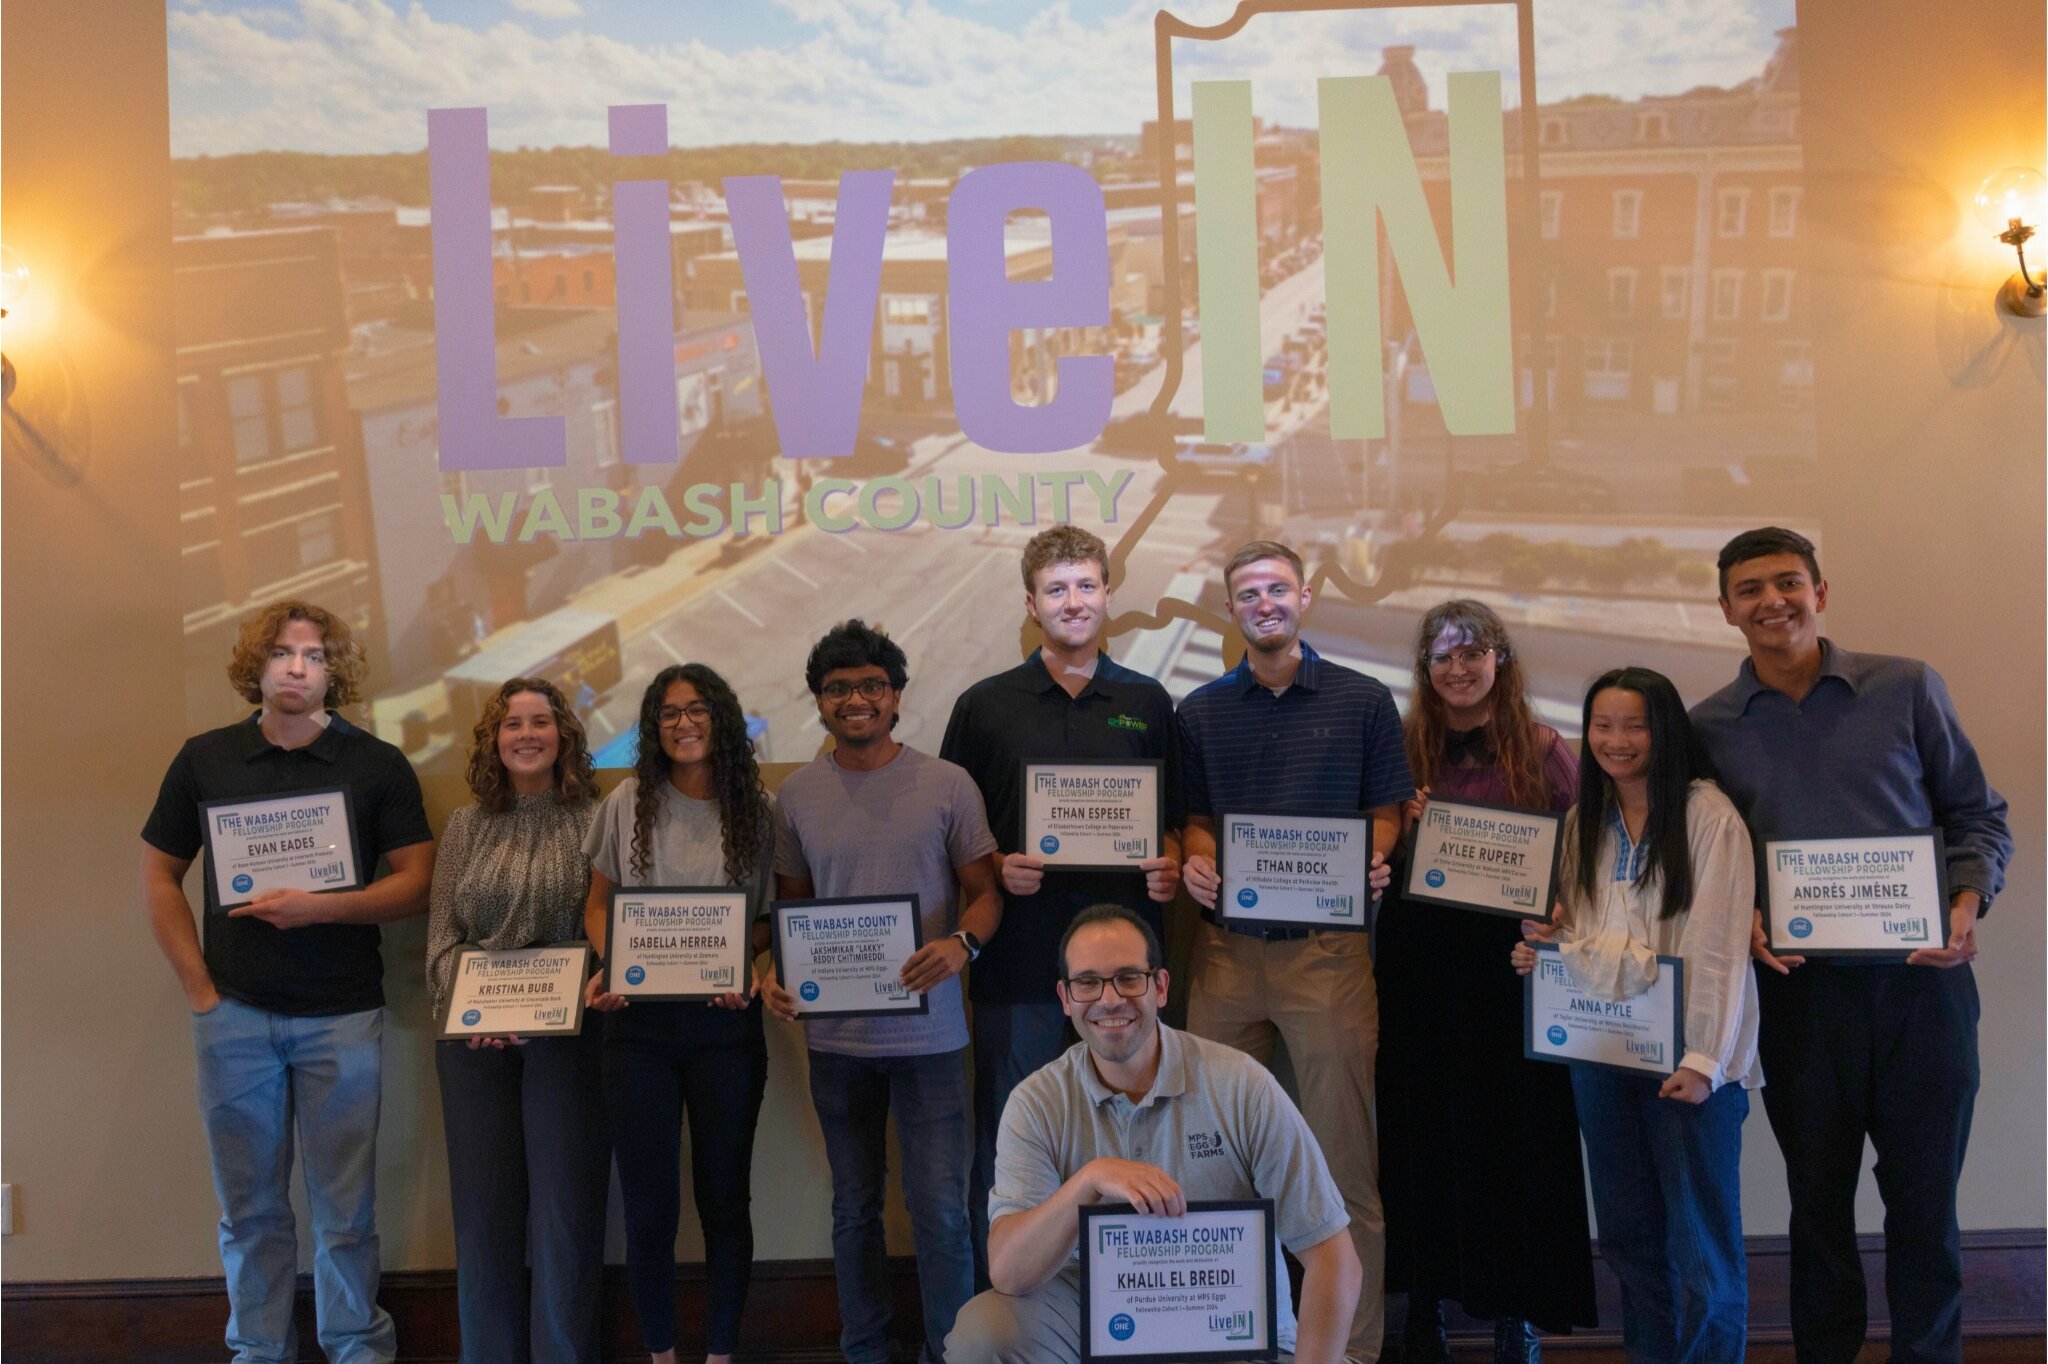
(1287,731)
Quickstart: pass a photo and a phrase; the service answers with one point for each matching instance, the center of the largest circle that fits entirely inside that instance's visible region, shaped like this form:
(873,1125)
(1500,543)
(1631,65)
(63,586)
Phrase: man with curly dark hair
(287,992)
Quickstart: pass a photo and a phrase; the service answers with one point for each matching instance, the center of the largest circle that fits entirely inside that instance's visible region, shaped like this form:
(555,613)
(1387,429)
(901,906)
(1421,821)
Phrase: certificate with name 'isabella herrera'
(1093,816)
(517,992)
(1644,1034)
(1850,897)
(1492,858)
(677,942)
(843,957)
(292,840)
(1305,870)
(1195,1287)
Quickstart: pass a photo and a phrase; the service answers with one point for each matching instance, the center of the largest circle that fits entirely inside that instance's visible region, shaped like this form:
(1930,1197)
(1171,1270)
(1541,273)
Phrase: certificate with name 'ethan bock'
(677,942)
(1857,897)
(293,840)
(1305,870)
(517,992)
(1093,816)
(1492,858)
(843,957)
(1644,1034)
(1199,1286)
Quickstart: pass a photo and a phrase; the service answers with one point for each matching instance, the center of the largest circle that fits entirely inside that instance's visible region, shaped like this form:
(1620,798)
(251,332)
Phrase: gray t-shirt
(1215,1119)
(689,847)
(898,830)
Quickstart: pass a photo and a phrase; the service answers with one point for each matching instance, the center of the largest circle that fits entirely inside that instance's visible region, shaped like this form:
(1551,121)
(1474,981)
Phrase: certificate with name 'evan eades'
(1857,897)
(1644,1034)
(677,942)
(292,840)
(1195,1287)
(843,957)
(1492,858)
(1308,871)
(517,992)
(1094,816)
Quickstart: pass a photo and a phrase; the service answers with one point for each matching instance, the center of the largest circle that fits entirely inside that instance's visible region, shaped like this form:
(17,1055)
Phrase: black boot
(1423,1340)
(1514,1342)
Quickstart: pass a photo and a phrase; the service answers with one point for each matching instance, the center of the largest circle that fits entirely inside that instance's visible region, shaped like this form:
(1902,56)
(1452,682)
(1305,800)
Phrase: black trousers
(1887,1052)
(663,1061)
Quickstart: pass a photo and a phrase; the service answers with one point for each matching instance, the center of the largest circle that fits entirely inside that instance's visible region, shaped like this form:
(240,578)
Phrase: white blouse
(1611,944)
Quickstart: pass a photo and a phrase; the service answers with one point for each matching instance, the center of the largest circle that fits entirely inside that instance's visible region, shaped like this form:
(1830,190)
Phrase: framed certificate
(1094,816)
(676,942)
(1856,897)
(1165,1289)
(1307,871)
(843,958)
(292,840)
(1493,858)
(518,992)
(1644,1035)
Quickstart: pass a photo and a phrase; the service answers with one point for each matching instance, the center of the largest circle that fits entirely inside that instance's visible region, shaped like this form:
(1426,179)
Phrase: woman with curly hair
(1464,1117)
(524,1116)
(694,813)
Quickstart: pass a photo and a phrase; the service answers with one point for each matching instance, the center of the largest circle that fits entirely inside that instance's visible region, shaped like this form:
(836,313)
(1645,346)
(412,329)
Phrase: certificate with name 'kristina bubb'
(843,957)
(677,942)
(1195,1287)
(517,992)
(1643,1034)
(1495,859)
(1880,896)
(1307,871)
(1093,816)
(289,840)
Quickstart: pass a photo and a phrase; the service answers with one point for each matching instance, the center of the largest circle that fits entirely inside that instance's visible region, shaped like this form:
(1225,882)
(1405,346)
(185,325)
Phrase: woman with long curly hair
(524,1120)
(694,813)
(1464,1117)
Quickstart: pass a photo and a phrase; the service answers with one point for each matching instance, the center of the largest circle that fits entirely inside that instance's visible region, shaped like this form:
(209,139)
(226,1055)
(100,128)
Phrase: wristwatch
(971,943)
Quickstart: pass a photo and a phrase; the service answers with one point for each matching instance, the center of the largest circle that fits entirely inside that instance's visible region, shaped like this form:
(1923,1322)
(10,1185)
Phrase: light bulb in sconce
(2013,205)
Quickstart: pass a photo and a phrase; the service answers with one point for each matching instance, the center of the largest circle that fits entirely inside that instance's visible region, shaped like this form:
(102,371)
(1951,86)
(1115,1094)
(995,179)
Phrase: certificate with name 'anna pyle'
(1643,1034)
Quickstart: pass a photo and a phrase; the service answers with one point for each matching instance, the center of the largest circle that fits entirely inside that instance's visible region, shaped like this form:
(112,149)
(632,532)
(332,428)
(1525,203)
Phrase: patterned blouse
(516,879)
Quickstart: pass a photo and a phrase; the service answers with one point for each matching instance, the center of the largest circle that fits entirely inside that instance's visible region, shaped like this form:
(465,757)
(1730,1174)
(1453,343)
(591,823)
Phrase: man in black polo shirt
(287,994)
(1068,702)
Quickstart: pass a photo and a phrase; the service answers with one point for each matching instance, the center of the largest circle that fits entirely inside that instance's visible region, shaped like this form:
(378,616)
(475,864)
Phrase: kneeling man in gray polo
(1141,1113)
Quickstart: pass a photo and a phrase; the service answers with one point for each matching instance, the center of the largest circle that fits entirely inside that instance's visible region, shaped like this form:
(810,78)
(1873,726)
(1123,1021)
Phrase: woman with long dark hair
(523,1118)
(694,813)
(1463,1115)
(1657,862)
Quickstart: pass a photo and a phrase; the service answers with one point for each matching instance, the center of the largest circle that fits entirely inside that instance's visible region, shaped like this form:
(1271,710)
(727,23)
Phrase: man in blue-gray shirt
(1813,741)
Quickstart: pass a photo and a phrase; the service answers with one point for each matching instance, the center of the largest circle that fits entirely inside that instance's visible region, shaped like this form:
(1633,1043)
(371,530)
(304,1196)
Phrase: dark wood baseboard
(792,1317)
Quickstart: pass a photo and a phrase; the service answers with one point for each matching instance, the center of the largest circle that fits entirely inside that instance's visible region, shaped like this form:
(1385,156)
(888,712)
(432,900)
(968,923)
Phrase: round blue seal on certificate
(1247,897)
(242,882)
(1435,878)
(1801,928)
(1048,845)
(635,974)
(809,989)
(471,1017)
(1556,1035)
(1121,1327)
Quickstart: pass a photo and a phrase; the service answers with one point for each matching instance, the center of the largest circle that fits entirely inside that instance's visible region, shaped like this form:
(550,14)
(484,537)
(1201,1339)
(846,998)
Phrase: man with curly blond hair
(287,991)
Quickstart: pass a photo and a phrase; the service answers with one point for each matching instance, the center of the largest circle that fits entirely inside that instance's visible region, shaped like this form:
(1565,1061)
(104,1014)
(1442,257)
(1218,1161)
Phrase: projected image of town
(1660,381)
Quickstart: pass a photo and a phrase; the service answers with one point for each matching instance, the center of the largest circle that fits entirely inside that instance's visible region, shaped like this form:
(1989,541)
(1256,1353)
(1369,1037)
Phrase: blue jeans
(1667,1194)
(1010,1042)
(854,1096)
(260,1075)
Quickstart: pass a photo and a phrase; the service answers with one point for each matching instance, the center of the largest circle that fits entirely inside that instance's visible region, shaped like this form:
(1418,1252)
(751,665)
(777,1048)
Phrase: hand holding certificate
(843,958)
(294,840)
(1198,1286)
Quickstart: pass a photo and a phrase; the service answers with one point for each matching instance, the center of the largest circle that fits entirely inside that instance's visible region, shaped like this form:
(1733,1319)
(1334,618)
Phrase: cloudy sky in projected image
(356,75)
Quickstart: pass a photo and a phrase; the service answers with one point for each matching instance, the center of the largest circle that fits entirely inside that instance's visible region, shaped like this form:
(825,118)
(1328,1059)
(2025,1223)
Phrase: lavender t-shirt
(898,830)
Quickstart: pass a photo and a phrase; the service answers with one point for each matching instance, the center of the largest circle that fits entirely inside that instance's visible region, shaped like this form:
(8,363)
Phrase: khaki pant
(1316,994)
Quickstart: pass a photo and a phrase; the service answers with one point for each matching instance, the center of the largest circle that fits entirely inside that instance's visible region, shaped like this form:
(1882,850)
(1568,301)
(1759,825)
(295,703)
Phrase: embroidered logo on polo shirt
(1202,1145)
(1128,722)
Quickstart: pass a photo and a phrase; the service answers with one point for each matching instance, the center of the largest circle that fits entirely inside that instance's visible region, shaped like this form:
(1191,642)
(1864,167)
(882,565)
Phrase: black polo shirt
(322,968)
(1024,716)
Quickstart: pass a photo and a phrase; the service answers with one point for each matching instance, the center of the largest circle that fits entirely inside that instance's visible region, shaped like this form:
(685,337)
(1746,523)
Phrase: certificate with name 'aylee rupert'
(289,840)
(1495,859)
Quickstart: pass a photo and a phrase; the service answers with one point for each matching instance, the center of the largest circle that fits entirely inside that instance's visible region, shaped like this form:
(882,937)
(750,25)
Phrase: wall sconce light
(2013,204)
(13,287)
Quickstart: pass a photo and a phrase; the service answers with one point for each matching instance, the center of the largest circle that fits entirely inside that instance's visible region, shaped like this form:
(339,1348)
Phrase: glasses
(870,689)
(671,716)
(1465,658)
(1131,984)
